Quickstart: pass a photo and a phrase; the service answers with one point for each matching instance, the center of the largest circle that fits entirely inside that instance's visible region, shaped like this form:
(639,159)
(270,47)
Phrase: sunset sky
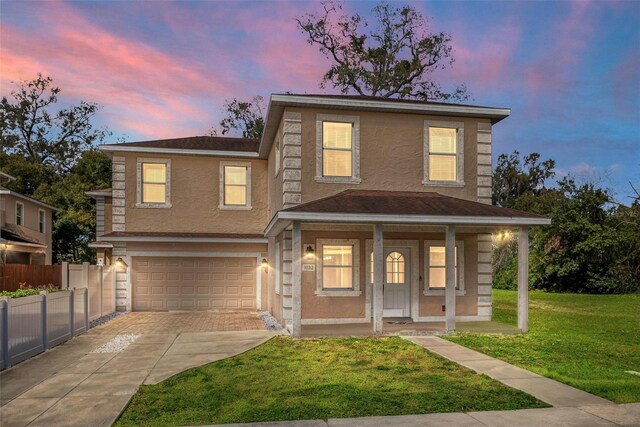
(570,71)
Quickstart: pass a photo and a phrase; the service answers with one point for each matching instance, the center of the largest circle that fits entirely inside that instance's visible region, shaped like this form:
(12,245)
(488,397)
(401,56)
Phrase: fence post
(85,274)
(4,333)
(64,275)
(86,309)
(73,312)
(44,320)
(101,289)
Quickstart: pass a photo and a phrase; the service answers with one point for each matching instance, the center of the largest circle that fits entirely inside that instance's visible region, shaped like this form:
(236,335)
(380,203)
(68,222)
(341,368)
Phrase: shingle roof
(212,143)
(405,203)
(20,238)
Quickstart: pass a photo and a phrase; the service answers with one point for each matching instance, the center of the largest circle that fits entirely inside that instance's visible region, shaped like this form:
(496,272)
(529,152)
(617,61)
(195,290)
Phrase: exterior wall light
(310,250)
(265,264)
(121,263)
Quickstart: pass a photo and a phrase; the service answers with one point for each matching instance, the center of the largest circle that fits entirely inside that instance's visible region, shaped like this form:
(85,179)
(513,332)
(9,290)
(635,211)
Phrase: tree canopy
(31,128)
(395,56)
(244,117)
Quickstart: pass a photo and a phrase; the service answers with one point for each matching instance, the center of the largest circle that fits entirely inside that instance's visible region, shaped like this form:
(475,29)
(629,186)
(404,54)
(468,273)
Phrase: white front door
(397,282)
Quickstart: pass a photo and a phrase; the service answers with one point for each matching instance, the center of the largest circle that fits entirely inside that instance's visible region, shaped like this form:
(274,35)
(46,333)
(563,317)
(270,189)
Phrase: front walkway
(88,381)
(550,391)
(587,416)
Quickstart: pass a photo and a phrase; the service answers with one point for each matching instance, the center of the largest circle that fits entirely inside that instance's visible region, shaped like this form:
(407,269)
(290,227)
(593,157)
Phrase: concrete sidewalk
(550,391)
(587,416)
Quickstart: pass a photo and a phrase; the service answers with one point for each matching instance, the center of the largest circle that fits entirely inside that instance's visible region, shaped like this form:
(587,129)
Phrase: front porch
(404,327)
(424,257)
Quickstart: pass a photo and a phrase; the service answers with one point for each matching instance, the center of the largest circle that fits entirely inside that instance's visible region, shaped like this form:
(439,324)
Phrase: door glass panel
(395,268)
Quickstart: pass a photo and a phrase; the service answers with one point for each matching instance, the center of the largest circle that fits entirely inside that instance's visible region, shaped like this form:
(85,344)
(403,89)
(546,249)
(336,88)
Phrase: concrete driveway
(89,380)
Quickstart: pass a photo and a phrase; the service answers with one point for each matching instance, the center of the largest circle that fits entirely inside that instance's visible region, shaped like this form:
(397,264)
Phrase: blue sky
(570,71)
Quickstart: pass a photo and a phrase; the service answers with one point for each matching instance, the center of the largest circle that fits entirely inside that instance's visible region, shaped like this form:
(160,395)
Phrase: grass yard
(287,379)
(586,341)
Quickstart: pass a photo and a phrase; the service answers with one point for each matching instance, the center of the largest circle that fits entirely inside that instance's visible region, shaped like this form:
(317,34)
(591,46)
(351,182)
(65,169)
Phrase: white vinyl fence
(31,325)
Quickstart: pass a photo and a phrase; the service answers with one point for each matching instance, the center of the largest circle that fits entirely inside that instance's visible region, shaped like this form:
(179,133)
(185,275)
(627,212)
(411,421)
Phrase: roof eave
(285,217)
(177,151)
(22,196)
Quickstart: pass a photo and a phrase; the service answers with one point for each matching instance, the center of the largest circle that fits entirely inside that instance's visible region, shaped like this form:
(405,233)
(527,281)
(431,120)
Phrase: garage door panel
(193,284)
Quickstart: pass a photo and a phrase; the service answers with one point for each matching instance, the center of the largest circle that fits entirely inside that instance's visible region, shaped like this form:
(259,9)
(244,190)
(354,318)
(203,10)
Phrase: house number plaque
(308,267)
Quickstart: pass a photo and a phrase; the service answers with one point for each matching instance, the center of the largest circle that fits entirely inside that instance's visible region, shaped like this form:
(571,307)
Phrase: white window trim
(460,291)
(221,204)
(459,126)
(355,291)
(43,222)
(167,188)
(21,224)
(355,149)
(278,269)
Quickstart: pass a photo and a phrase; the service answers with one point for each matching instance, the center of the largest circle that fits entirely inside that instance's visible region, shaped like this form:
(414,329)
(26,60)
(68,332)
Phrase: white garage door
(193,283)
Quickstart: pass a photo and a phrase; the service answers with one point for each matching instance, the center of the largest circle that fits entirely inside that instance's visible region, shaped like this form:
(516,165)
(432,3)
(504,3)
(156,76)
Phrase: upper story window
(444,153)
(235,185)
(153,183)
(19,213)
(337,148)
(41,221)
(435,265)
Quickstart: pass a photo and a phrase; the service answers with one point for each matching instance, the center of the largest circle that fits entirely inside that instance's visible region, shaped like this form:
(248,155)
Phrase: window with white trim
(337,148)
(338,269)
(41,221)
(153,183)
(435,266)
(19,213)
(235,185)
(444,153)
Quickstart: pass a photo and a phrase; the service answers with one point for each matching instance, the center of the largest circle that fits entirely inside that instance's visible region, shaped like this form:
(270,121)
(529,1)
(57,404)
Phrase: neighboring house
(25,227)
(349,209)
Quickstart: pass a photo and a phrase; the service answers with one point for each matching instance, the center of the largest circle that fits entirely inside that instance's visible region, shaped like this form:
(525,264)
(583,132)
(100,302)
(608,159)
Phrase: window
(337,148)
(153,183)
(41,221)
(19,213)
(337,266)
(444,153)
(395,268)
(235,185)
(338,269)
(436,267)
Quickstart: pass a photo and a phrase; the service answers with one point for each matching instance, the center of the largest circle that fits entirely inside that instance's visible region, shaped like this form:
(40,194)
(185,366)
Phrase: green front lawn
(586,341)
(287,379)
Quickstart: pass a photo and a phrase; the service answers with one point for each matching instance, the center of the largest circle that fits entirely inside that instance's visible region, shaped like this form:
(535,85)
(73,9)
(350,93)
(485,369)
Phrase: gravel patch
(117,343)
(270,322)
(106,318)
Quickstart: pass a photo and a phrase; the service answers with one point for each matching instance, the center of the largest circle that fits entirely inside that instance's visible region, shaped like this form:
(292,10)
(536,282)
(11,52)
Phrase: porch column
(378,277)
(296,280)
(450,278)
(523,280)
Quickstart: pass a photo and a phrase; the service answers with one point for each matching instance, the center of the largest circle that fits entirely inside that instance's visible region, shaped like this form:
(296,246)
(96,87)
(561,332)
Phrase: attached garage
(193,283)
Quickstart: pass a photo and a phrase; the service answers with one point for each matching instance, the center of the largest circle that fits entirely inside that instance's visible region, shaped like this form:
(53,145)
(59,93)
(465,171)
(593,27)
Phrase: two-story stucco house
(349,210)
(25,227)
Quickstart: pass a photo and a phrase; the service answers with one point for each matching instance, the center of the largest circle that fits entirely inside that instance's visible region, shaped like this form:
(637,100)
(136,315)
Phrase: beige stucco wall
(195,190)
(324,307)
(391,154)
(30,227)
